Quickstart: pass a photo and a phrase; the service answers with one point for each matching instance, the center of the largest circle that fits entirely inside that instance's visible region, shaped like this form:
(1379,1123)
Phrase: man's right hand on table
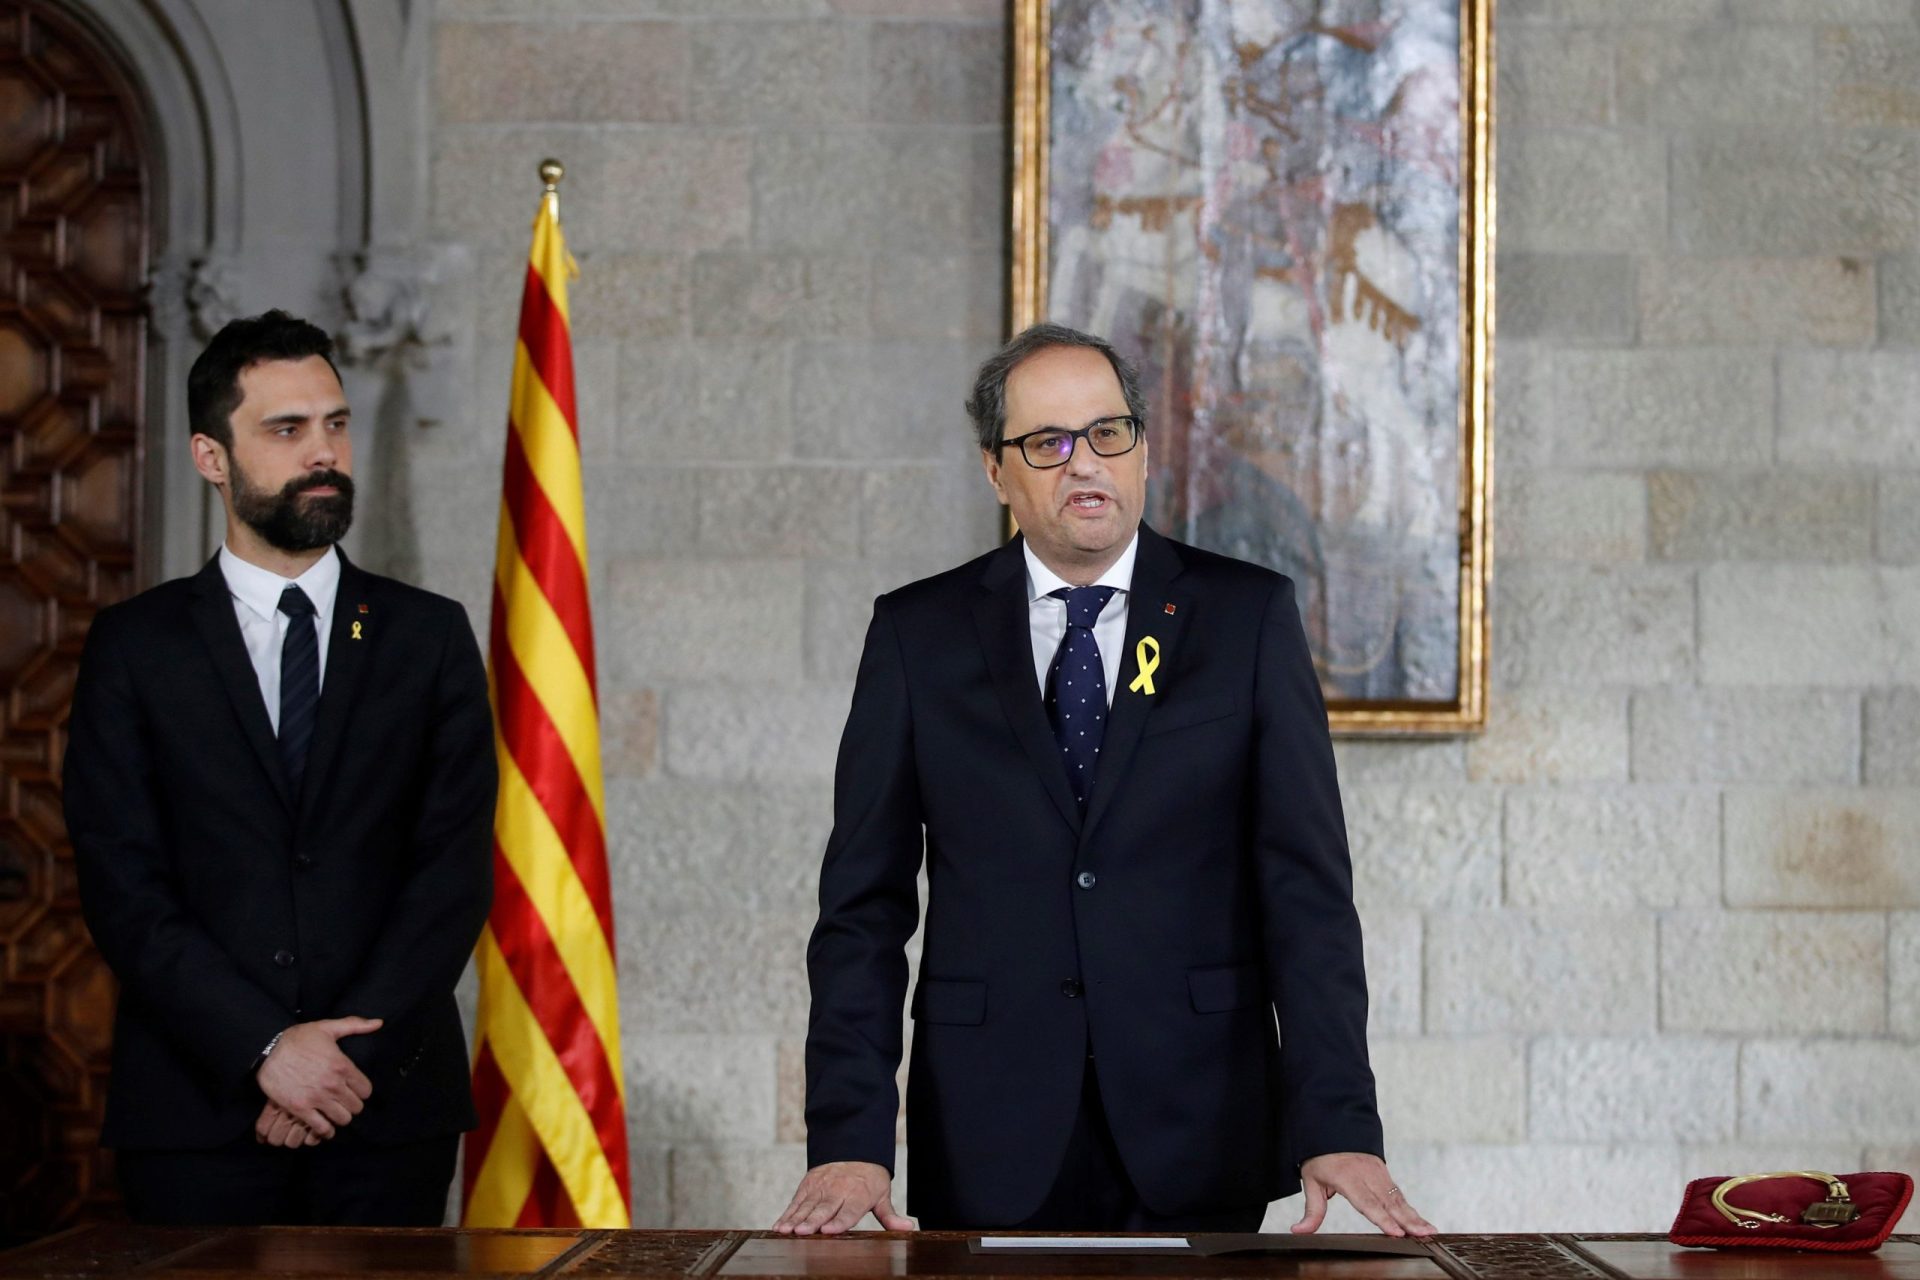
(308,1077)
(834,1197)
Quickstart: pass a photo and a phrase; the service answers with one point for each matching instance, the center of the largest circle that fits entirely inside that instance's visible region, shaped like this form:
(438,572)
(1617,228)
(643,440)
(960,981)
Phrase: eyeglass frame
(1084,433)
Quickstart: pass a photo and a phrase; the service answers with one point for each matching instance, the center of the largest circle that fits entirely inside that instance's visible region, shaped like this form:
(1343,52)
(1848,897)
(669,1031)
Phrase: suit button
(1085,880)
(283,958)
(303,862)
(1070,989)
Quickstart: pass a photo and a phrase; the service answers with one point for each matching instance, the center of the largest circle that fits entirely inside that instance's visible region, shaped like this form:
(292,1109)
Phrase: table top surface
(187,1253)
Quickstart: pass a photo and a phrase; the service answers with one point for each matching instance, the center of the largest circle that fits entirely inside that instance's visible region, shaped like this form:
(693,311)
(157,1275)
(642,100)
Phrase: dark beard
(288,522)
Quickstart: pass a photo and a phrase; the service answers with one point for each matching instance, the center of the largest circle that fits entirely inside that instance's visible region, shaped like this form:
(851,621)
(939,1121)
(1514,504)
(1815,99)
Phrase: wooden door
(73,268)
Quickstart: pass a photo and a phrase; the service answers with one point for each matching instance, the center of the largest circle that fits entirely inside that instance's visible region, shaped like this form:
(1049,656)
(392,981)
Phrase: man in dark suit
(1113,750)
(279,786)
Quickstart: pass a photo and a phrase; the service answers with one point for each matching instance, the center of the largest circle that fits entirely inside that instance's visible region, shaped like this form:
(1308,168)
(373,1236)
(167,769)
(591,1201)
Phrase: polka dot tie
(1077,689)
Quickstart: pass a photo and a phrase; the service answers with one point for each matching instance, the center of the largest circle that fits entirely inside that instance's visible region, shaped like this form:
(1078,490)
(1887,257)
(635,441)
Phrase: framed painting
(1283,211)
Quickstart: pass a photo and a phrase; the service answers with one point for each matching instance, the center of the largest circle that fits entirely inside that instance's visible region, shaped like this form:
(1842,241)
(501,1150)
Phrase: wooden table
(167,1253)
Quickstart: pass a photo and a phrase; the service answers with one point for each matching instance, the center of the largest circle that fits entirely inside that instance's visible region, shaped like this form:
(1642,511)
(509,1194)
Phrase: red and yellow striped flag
(551,1149)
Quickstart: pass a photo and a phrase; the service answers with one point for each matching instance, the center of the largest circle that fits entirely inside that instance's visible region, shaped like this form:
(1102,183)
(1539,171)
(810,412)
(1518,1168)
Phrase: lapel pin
(1169,609)
(1146,656)
(363,609)
(356,632)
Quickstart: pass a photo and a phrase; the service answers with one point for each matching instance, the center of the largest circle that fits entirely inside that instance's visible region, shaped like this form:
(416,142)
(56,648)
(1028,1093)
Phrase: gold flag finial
(551,171)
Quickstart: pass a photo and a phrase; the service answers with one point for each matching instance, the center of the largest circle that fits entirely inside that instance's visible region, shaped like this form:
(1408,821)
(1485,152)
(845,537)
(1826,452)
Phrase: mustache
(328,479)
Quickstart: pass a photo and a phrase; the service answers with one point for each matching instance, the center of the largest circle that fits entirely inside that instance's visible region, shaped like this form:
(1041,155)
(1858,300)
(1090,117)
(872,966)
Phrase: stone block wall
(1661,920)
(1703,720)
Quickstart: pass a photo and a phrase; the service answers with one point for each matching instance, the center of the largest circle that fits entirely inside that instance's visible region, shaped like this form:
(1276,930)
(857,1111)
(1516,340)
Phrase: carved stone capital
(200,293)
(213,293)
(397,305)
(389,300)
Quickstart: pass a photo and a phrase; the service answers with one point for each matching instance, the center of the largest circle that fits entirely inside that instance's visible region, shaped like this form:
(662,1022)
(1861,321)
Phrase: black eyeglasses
(1053,446)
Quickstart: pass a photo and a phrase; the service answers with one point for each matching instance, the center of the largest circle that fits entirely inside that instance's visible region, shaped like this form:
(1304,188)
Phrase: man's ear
(209,458)
(992,467)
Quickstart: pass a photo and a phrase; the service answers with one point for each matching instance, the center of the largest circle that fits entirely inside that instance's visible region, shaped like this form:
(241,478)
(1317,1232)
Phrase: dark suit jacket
(230,908)
(1207,889)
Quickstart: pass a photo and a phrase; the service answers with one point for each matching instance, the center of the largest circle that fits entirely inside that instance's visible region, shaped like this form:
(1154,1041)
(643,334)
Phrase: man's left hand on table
(1363,1179)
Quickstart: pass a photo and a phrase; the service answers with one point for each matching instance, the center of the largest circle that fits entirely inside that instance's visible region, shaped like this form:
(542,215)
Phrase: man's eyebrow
(282,419)
(1110,417)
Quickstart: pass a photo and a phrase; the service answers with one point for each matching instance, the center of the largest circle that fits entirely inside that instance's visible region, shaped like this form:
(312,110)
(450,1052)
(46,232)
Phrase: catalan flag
(551,1149)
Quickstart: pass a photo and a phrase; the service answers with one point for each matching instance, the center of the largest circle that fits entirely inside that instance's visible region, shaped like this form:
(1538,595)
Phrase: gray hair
(988,404)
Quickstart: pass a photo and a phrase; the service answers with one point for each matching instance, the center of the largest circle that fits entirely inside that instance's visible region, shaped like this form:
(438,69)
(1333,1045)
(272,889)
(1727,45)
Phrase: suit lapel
(1155,567)
(212,611)
(347,661)
(1000,613)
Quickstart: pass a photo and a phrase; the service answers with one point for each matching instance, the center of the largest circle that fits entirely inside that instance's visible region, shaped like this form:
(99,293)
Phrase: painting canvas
(1278,208)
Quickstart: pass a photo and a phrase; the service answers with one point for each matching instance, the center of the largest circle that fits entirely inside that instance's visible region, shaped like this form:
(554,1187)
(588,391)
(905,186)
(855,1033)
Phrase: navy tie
(299,682)
(1077,689)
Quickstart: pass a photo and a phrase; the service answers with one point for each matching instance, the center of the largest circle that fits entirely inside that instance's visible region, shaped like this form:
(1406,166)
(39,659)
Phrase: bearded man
(279,787)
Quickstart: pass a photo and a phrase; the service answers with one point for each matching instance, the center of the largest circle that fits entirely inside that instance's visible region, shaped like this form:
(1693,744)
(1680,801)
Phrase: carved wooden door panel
(73,265)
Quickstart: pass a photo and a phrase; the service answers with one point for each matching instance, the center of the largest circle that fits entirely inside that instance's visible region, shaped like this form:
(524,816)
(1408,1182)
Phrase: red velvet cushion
(1882,1198)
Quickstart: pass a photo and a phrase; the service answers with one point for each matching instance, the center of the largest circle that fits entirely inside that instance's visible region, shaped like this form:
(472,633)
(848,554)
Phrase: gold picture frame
(1032,141)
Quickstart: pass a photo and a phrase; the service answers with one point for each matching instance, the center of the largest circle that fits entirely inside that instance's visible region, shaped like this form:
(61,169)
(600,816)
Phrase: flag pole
(551,1146)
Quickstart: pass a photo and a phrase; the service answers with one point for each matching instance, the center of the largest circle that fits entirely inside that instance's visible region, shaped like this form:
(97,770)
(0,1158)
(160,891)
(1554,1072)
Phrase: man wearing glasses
(1113,751)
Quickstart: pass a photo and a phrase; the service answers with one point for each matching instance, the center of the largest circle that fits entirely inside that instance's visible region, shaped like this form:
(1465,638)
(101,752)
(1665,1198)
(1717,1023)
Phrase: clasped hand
(313,1089)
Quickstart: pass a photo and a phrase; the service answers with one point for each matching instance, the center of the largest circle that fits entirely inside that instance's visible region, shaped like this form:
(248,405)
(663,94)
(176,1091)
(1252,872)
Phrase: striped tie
(299,683)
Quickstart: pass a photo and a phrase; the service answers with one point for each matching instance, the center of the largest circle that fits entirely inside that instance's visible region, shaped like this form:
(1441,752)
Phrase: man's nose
(1083,461)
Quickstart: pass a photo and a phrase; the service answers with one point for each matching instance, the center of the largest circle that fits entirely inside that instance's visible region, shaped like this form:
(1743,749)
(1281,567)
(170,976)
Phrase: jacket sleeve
(212,1013)
(1313,956)
(869,907)
(435,918)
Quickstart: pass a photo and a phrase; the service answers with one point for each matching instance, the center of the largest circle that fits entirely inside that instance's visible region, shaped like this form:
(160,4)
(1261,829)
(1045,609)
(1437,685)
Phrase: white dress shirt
(1047,617)
(256,604)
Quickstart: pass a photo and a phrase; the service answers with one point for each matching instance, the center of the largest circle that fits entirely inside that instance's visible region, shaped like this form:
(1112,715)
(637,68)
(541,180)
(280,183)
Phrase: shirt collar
(259,589)
(1042,581)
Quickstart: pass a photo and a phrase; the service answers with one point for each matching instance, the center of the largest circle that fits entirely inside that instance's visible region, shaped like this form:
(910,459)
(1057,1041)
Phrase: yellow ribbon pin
(356,631)
(1146,655)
